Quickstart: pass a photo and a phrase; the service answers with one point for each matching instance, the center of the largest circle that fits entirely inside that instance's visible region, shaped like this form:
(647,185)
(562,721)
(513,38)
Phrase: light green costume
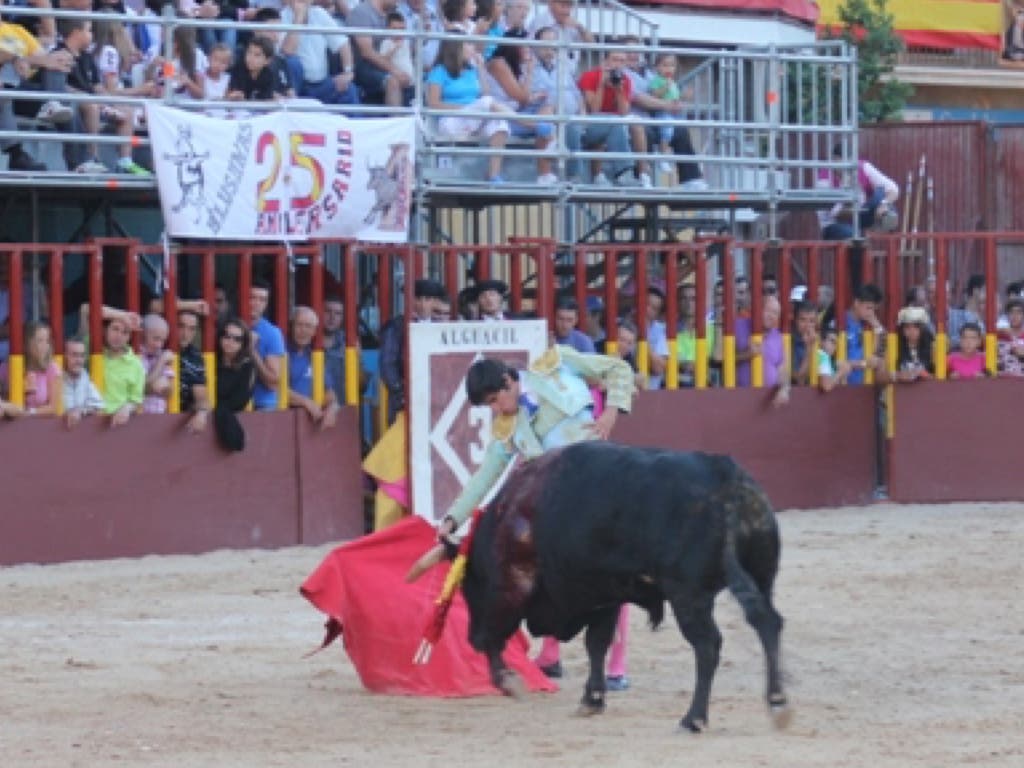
(557,383)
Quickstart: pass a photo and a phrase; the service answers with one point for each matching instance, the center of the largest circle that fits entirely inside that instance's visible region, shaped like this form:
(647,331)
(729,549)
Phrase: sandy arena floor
(904,646)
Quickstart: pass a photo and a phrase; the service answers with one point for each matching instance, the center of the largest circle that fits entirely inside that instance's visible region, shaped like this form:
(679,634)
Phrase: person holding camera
(607,91)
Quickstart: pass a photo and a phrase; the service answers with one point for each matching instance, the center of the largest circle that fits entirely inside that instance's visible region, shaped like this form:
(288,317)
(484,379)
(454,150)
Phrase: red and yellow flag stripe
(937,23)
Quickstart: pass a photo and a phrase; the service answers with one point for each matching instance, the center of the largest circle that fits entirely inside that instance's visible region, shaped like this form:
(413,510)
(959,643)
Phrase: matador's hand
(603,424)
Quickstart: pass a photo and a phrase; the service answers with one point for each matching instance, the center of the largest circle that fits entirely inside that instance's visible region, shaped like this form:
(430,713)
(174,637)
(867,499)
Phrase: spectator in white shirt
(311,51)
(81,397)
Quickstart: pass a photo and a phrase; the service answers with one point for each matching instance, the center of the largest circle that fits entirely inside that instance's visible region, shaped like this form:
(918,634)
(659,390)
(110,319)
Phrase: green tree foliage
(814,94)
(868,26)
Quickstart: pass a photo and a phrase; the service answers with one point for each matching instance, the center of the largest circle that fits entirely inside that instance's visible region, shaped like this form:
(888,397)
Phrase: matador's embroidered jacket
(555,409)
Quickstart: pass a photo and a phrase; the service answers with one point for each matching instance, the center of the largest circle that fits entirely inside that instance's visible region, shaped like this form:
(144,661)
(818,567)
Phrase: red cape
(362,585)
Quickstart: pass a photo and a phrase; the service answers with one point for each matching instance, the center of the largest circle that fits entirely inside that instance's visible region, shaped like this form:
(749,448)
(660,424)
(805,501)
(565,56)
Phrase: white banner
(447,435)
(283,175)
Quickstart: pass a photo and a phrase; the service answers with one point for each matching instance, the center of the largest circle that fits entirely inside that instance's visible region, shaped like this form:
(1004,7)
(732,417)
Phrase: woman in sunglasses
(236,377)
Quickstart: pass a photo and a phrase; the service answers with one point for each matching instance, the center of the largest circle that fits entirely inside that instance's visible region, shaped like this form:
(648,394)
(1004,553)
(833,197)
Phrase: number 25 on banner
(268,148)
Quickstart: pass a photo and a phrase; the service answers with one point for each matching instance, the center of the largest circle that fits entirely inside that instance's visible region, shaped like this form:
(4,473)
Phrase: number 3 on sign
(268,152)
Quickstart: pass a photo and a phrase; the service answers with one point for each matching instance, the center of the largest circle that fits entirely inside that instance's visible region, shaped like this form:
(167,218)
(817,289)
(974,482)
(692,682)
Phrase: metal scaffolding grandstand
(762,123)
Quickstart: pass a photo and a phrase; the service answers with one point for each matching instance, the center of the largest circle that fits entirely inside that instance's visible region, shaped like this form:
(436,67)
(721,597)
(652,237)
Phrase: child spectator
(158,364)
(81,397)
(968,362)
(287,81)
(1010,342)
(1013,291)
(830,374)
(861,317)
(124,379)
(218,73)
(804,336)
(84,77)
(188,63)
(396,49)
(914,346)
(663,86)
(236,377)
(253,79)
(113,51)
(42,376)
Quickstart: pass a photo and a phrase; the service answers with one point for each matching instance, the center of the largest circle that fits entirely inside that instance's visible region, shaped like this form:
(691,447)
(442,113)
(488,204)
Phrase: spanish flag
(937,23)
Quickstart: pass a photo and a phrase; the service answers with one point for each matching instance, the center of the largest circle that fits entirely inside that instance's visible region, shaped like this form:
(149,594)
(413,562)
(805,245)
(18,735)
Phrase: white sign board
(282,175)
(448,436)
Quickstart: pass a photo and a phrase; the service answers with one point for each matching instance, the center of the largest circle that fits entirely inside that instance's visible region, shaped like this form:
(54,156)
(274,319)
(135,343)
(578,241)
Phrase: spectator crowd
(251,358)
(517,86)
(250,352)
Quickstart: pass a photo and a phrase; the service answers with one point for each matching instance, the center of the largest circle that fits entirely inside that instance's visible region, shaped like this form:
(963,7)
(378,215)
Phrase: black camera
(615,77)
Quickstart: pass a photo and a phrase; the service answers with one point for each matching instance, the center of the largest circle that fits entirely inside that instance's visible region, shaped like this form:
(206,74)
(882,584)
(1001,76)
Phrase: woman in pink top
(968,362)
(42,376)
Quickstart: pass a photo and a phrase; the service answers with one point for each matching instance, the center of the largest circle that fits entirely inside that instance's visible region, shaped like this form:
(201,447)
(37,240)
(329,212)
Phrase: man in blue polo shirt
(860,317)
(566,333)
(268,349)
(300,371)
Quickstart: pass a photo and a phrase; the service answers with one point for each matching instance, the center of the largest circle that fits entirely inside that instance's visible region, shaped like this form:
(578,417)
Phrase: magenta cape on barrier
(362,585)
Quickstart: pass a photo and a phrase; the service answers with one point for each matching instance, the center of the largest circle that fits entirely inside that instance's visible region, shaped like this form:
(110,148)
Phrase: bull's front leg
(697,622)
(600,632)
(504,679)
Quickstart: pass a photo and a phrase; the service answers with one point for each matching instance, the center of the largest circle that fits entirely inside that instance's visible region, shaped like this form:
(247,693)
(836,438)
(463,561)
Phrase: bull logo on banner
(448,436)
(388,182)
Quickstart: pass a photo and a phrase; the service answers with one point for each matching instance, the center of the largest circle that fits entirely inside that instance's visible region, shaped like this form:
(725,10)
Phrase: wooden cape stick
(918,194)
(906,210)
(931,226)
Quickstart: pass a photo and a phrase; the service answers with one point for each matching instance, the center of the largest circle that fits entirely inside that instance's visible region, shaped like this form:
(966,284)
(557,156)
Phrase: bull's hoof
(510,684)
(591,704)
(780,713)
(693,724)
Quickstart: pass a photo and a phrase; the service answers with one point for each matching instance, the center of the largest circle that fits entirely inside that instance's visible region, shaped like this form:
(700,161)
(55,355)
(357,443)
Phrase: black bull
(581,530)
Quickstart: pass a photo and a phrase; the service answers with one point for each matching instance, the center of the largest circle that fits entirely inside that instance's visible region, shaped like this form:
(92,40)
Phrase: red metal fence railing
(622,275)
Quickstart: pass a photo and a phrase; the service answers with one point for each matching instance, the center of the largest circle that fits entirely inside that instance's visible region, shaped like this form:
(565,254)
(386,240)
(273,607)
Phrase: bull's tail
(760,540)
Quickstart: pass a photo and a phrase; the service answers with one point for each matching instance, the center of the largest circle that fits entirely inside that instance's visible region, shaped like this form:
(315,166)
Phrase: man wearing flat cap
(387,463)
(491,299)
